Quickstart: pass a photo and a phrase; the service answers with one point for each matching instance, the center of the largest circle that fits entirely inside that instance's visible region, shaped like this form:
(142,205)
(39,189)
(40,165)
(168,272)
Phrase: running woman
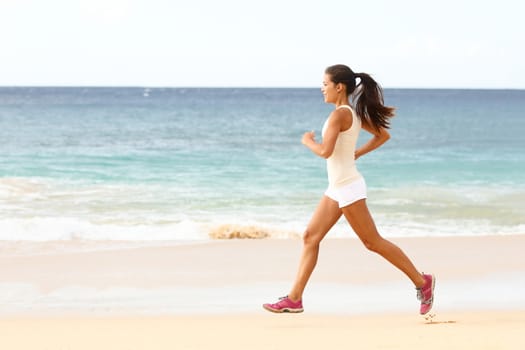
(346,192)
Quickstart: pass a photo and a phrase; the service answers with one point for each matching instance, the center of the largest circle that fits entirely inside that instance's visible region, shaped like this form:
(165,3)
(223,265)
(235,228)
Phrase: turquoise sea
(150,164)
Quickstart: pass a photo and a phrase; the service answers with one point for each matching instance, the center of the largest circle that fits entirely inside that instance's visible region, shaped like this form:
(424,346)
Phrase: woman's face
(329,89)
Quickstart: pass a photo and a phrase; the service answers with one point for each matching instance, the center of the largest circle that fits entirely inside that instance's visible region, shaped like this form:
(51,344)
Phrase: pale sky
(267,43)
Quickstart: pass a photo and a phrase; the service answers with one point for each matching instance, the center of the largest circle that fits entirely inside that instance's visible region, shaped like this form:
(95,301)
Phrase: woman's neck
(342,100)
(342,103)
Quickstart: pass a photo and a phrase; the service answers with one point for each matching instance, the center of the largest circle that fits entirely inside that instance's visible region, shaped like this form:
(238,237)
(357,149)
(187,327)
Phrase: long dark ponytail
(367,95)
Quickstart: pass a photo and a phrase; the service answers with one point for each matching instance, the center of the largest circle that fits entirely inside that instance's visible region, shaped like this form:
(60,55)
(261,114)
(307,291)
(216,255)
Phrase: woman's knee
(374,245)
(310,238)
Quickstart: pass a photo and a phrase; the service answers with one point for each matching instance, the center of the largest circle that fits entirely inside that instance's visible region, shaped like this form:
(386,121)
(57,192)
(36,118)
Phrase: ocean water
(155,164)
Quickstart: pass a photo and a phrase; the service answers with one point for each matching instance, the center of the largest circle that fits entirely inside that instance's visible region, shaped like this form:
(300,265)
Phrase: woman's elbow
(325,153)
(385,136)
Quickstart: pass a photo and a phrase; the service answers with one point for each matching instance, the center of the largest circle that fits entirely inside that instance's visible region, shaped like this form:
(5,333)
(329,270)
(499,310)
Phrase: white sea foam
(45,210)
(56,229)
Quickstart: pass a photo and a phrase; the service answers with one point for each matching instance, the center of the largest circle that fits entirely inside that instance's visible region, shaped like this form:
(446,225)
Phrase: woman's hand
(308,137)
(379,138)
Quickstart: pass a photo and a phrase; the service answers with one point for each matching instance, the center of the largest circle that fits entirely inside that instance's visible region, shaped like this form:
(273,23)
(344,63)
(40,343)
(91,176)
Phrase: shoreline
(237,276)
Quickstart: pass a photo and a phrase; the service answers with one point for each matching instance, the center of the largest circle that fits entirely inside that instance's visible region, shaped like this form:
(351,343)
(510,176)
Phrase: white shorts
(348,194)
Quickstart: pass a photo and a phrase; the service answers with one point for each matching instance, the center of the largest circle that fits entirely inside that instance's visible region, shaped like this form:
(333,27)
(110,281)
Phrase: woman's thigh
(361,221)
(323,219)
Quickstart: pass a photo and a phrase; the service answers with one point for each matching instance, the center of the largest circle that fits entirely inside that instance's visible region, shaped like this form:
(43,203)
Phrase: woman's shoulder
(343,116)
(343,112)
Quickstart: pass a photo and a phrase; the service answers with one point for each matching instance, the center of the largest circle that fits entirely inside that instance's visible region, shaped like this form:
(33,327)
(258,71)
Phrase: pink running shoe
(425,294)
(285,305)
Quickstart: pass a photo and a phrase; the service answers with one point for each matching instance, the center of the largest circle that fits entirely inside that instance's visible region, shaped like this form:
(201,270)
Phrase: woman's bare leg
(324,217)
(359,218)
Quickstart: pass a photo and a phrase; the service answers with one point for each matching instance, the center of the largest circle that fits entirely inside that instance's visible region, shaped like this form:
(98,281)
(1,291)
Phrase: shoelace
(420,297)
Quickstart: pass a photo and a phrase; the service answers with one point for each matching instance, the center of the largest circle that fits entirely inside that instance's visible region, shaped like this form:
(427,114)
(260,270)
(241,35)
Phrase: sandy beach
(75,295)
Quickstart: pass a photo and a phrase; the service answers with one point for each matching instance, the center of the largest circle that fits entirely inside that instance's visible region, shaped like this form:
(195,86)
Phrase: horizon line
(246,87)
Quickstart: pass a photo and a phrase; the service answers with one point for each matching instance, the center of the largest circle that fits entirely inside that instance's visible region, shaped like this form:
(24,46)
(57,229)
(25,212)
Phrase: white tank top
(340,165)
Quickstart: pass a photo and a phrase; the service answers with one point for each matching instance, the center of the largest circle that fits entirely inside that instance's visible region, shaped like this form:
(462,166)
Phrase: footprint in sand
(430,320)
